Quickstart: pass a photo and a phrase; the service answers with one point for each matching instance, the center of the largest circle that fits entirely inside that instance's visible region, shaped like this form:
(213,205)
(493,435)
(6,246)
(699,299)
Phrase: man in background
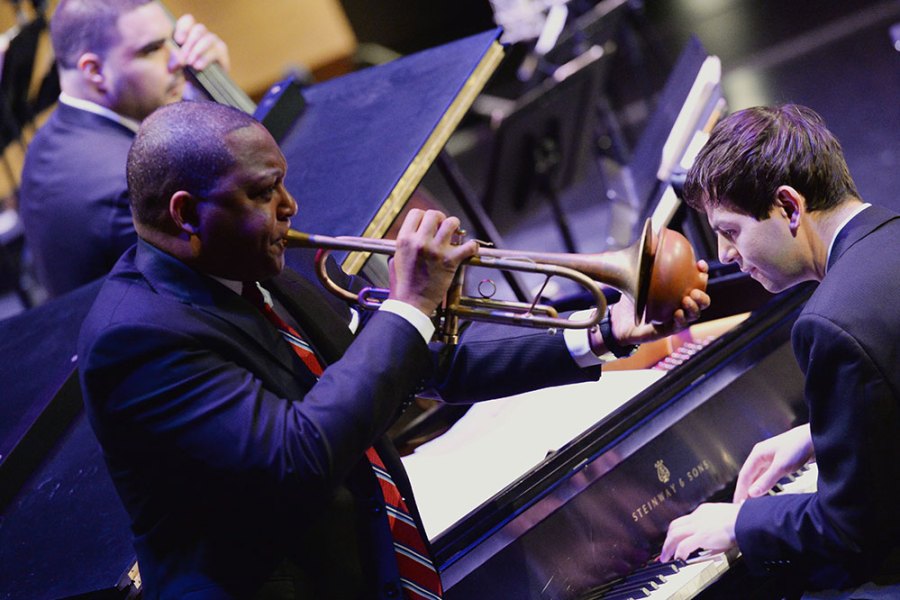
(118,60)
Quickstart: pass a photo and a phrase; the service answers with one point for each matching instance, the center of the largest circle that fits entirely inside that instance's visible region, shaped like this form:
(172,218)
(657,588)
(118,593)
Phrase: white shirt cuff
(578,342)
(411,314)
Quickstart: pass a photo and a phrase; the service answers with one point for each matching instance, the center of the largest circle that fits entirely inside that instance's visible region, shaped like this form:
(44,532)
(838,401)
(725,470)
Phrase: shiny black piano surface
(599,507)
(594,510)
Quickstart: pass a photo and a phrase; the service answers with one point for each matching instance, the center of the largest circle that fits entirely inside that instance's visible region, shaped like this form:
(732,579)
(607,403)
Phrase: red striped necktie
(418,577)
(252,293)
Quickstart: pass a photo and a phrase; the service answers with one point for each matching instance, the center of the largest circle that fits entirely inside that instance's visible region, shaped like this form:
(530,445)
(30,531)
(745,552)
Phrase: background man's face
(142,72)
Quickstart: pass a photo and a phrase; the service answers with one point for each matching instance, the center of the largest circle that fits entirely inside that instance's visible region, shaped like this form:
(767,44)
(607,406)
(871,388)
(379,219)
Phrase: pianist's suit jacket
(232,462)
(73,198)
(847,342)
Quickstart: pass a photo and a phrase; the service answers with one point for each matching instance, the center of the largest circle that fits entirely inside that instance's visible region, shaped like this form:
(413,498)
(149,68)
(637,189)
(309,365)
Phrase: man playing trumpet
(250,465)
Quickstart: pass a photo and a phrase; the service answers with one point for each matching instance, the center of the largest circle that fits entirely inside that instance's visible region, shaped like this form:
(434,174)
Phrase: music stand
(645,181)
(541,145)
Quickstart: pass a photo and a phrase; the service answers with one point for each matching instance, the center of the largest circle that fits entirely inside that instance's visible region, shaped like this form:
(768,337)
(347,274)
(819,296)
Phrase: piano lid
(366,139)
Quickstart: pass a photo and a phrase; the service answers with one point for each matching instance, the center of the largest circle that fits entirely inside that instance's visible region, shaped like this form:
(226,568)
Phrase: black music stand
(637,180)
(541,145)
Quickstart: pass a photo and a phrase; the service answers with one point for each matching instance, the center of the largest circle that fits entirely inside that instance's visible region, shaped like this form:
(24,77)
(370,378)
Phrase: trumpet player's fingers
(693,304)
(446,237)
(703,267)
(425,225)
(411,222)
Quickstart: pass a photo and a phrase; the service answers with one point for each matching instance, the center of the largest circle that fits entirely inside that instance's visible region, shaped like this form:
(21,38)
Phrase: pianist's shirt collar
(839,228)
(95,108)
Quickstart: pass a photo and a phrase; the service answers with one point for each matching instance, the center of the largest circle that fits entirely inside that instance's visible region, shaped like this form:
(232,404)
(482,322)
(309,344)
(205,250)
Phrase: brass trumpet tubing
(529,318)
(328,282)
(656,272)
(489,304)
(613,269)
(487,257)
(525,319)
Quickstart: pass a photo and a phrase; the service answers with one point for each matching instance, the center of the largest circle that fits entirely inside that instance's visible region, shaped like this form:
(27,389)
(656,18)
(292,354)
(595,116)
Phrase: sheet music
(498,441)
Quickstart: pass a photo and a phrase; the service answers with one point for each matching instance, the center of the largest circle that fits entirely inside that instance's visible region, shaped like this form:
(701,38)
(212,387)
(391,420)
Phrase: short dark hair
(753,151)
(79,26)
(179,147)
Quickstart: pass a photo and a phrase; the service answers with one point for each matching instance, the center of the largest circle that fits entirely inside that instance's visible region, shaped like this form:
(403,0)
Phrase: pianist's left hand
(710,527)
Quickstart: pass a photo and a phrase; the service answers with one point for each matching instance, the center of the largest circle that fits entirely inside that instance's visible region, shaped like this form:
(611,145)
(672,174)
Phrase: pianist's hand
(772,459)
(710,527)
(627,333)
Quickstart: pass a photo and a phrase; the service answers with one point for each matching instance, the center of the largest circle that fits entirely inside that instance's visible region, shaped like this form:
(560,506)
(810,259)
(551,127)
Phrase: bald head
(179,147)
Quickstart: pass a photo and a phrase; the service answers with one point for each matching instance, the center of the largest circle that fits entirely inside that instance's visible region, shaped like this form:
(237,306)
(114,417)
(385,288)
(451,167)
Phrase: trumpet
(656,272)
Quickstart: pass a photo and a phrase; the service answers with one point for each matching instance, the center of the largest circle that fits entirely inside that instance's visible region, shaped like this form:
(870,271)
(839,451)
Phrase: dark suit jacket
(73,198)
(231,459)
(847,342)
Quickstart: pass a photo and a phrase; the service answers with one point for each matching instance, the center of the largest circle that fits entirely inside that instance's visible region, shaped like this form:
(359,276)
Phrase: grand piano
(591,505)
(574,514)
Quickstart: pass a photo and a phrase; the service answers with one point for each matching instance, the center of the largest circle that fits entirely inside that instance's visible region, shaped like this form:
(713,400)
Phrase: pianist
(117,63)
(243,472)
(775,187)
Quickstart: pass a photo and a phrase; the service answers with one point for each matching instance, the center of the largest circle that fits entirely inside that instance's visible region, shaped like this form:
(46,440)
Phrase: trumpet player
(243,425)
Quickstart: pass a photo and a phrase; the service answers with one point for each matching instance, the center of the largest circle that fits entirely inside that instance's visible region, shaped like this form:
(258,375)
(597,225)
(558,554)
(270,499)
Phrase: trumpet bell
(673,275)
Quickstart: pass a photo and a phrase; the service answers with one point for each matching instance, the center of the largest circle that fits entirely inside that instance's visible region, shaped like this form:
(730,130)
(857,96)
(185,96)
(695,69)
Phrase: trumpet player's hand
(426,260)
(627,333)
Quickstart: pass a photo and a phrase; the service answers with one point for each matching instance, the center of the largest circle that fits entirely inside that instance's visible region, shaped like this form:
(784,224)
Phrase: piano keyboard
(675,580)
(683,580)
(682,354)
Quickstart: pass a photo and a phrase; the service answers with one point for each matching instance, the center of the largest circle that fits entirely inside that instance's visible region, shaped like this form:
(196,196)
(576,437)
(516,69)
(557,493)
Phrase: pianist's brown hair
(752,152)
(79,26)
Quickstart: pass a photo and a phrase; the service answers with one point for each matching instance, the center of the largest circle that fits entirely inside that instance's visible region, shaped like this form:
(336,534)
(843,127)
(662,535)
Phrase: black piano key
(654,569)
(628,594)
(628,586)
(639,581)
(632,588)
(595,593)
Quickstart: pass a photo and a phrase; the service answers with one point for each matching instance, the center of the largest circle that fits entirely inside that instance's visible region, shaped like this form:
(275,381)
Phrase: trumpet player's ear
(183,212)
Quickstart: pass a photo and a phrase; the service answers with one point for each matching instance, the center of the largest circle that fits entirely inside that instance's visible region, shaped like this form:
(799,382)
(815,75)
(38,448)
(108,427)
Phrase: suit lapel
(171,277)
